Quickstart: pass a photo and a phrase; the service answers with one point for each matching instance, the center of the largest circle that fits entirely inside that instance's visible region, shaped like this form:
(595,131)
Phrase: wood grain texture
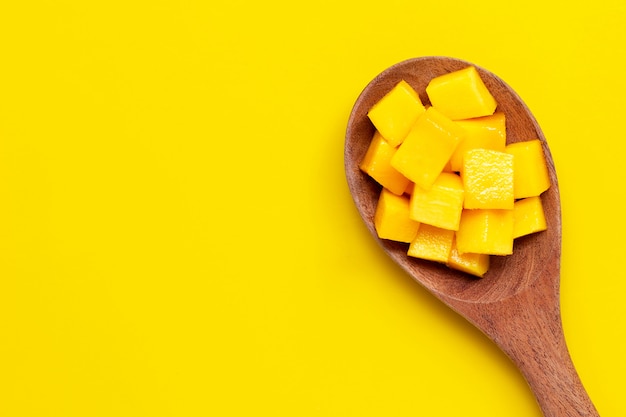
(516,304)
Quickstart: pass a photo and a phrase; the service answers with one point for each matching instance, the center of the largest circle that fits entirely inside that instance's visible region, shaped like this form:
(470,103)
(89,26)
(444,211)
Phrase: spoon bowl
(516,303)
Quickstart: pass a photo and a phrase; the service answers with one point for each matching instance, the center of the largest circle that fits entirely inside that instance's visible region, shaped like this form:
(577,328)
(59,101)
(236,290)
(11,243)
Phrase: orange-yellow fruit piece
(488,179)
(529,217)
(431,243)
(531,170)
(487,132)
(391,218)
(486,231)
(427,148)
(441,205)
(377,164)
(476,264)
(394,114)
(461,94)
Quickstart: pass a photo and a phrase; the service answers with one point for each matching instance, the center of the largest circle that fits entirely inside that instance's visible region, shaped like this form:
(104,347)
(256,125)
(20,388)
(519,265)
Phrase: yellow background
(176,233)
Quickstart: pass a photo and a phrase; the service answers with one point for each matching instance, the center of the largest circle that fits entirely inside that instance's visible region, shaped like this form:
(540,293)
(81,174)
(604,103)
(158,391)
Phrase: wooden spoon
(516,303)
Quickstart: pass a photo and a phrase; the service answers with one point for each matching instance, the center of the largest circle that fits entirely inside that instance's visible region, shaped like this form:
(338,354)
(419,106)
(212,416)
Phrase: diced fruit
(531,170)
(528,217)
(394,114)
(486,231)
(488,132)
(441,205)
(451,186)
(472,263)
(377,164)
(391,219)
(427,148)
(488,179)
(461,94)
(431,243)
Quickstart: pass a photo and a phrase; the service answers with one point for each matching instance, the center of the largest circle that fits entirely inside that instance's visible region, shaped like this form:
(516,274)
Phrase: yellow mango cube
(531,170)
(441,205)
(391,218)
(394,114)
(431,243)
(528,216)
(461,94)
(427,148)
(476,264)
(377,164)
(486,231)
(488,179)
(487,132)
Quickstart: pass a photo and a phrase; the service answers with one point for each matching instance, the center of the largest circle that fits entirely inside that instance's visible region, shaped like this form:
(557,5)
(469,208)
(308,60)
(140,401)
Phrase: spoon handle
(528,328)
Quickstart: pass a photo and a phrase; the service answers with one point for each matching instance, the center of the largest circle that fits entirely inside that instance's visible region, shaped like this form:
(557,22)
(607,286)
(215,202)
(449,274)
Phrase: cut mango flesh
(488,179)
(396,112)
(427,148)
(528,217)
(431,243)
(391,219)
(486,231)
(488,132)
(531,170)
(472,263)
(377,164)
(461,94)
(440,206)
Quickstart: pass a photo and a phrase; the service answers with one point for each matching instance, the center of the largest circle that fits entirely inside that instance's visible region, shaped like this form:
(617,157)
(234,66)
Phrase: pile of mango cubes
(452,188)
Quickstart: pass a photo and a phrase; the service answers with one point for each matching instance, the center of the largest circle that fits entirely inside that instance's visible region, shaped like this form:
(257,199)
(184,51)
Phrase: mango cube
(394,114)
(461,94)
(531,170)
(476,264)
(431,243)
(486,231)
(488,179)
(391,218)
(427,148)
(377,164)
(528,217)
(487,132)
(441,205)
